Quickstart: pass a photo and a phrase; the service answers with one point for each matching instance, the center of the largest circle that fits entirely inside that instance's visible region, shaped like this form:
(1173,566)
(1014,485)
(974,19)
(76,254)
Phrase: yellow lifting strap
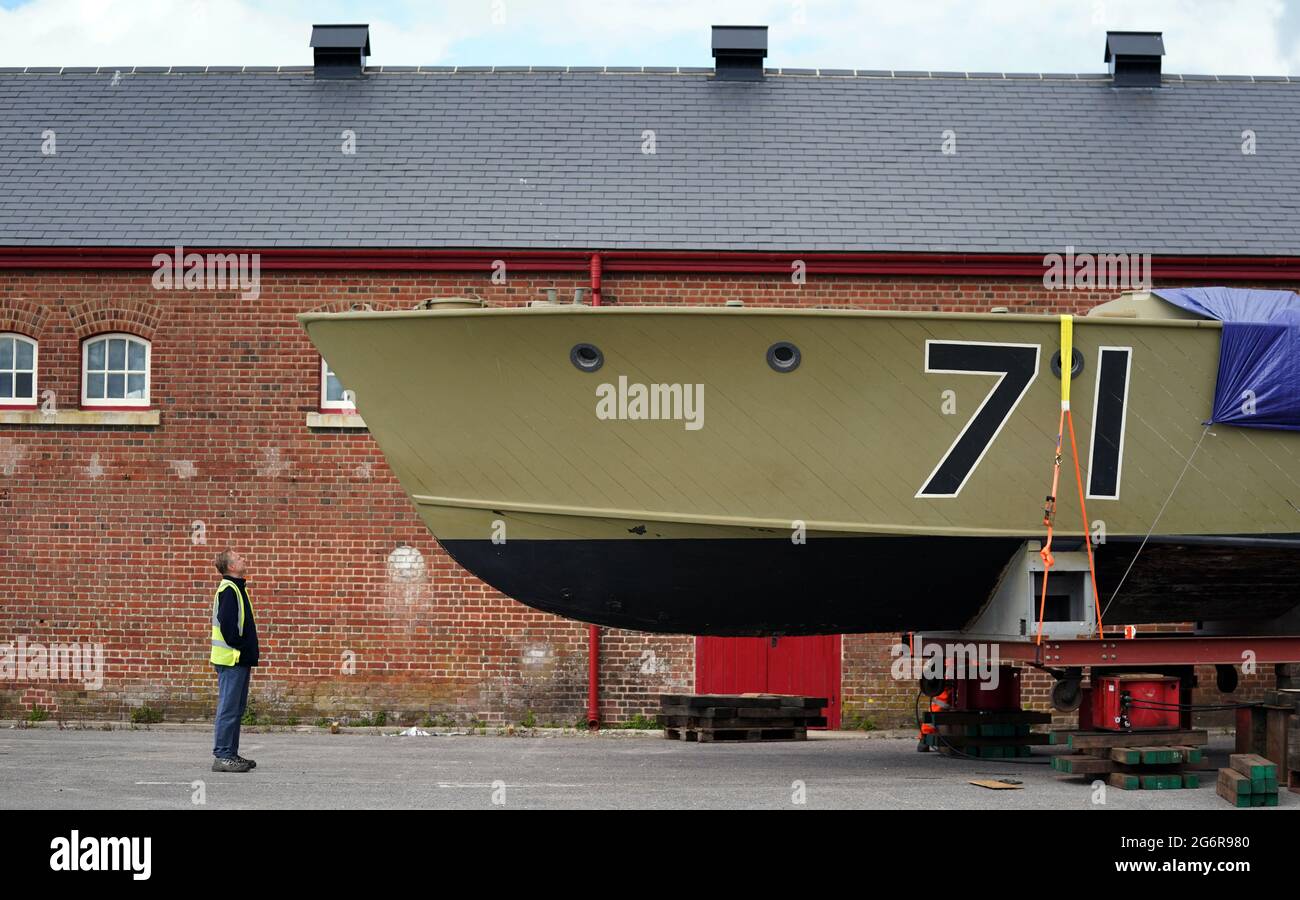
(1049,510)
(1067,358)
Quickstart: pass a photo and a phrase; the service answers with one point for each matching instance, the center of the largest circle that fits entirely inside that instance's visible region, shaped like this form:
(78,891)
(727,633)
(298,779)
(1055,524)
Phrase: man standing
(234,653)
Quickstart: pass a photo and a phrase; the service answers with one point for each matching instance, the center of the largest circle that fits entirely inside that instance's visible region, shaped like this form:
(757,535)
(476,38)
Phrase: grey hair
(223,561)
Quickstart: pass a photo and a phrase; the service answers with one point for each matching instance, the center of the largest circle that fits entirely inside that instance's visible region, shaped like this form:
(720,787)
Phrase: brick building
(145,423)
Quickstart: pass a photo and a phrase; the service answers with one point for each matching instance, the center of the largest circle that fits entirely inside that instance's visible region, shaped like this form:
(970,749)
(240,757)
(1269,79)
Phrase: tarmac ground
(44,768)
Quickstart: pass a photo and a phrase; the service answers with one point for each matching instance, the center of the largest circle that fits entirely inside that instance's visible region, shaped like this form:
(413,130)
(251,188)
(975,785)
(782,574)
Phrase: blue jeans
(232,700)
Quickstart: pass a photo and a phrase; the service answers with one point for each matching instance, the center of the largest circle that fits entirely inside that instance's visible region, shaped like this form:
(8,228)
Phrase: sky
(1225,37)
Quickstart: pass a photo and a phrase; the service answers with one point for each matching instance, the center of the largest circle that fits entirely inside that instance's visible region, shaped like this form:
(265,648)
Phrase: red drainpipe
(593,631)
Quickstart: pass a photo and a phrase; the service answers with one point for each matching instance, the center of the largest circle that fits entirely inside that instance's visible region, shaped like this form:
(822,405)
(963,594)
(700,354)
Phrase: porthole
(783,356)
(1076,364)
(586,357)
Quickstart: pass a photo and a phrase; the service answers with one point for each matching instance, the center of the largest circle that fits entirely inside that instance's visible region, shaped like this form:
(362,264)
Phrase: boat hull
(881,484)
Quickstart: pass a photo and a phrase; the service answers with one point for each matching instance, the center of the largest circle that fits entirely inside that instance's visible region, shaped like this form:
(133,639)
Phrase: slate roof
(542,157)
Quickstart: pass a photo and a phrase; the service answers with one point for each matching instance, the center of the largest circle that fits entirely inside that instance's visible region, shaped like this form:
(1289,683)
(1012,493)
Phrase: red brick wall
(97,524)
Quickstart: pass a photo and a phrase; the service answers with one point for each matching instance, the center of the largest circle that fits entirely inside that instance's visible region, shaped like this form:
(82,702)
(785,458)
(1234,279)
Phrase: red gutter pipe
(593,676)
(1199,268)
(593,631)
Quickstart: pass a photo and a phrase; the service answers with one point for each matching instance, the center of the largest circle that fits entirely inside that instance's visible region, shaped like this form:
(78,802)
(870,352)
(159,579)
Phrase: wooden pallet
(748,735)
(741,712)
(740,717)
(748,701)
(703,723)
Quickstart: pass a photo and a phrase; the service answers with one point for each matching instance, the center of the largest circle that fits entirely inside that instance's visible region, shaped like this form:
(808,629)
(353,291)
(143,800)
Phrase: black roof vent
(738,52)
(341,50)
(1134,57)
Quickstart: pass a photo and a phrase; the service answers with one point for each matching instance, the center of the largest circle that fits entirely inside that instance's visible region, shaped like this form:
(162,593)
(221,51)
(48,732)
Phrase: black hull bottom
(760,586)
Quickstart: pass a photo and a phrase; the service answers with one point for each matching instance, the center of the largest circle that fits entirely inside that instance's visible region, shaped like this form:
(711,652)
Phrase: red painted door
(790,665)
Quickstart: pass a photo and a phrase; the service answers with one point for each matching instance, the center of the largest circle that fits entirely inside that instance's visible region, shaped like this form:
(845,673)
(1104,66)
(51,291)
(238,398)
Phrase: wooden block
(1228,792)
(1191,754)
(1127,755)
(1253,766)
(1025,717)
(961,740)
(1233,782)
(1086,739)
(1082,765)
(1191,780)
(1123,781)
(1161,782)
(1160,756)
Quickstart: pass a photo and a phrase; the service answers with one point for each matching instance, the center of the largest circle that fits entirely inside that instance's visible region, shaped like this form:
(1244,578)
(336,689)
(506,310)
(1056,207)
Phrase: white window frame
(117,402)
(23,402)
(344,407)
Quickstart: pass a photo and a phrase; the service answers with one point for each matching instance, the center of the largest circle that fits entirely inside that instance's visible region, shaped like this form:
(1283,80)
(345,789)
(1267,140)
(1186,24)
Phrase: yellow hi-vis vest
(222,653)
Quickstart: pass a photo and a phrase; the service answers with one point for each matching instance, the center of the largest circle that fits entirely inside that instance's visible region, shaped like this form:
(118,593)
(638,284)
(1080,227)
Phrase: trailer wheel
(1067,695)
(931,687)
(1226,678)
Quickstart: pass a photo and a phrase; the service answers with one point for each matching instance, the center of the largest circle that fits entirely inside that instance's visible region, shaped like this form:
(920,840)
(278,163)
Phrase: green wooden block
(1128,755)
(1270,800)
(1263,785)
(1195,755)
(1023,751)
(1161,782)
(1242,801)
(1253,766)
(1259,799)
(1161,757)
(1127,782)
(1191,780)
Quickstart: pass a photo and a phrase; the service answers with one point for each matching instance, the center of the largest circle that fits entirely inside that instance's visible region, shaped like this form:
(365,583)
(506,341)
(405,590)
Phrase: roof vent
(738,52)
(1134,57)
(341,50)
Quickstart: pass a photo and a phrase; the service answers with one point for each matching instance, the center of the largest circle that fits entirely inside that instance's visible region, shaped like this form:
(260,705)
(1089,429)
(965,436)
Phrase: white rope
(1156,521)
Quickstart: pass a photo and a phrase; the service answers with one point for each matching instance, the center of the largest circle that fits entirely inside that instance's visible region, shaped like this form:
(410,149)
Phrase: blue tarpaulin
(1259,355)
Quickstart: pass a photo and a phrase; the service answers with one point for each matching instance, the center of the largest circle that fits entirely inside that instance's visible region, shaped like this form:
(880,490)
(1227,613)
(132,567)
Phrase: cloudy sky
(1258,37)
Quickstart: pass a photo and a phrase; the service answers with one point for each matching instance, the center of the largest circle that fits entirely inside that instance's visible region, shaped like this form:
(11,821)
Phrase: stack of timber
(740,717)
(987,735)
(1131,761)
(1289,769)
(1249,780)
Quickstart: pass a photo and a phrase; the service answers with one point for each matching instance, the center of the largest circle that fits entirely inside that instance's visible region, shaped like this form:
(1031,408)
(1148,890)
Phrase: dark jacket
(228,619)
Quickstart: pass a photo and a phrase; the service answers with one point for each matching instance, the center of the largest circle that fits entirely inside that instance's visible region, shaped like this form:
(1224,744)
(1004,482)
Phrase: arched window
(17,370)
(115,371)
